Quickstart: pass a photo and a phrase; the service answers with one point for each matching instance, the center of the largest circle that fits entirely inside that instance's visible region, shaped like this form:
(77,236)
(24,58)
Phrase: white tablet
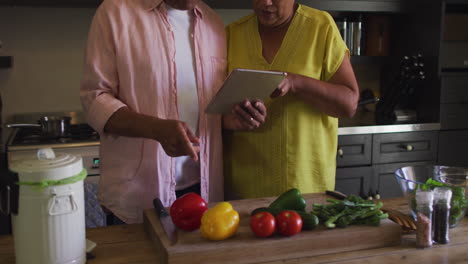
(244,84)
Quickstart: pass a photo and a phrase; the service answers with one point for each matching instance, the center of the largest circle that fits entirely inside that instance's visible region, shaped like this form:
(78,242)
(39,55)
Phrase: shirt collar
(157,4)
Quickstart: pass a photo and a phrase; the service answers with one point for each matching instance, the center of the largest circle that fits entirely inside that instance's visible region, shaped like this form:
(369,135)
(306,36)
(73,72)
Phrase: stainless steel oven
(80,140)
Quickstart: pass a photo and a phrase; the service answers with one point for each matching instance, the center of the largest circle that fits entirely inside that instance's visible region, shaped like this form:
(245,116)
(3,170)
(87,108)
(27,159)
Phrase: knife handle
(159,208)
(336,194)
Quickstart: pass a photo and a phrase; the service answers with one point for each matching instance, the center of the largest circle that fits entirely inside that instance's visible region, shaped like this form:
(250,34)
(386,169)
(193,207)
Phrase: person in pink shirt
(151,67)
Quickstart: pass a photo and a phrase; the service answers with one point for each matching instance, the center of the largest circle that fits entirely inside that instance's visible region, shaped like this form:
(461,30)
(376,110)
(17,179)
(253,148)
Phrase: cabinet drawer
(404,147)
(354,181)
(354,150)
(385,182)
(454,90)
(453,146)
(453,116)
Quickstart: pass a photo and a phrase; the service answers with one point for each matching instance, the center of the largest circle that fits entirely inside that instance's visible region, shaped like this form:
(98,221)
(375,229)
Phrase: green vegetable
(309,221)
(272,211)
(290,200)
(351,211)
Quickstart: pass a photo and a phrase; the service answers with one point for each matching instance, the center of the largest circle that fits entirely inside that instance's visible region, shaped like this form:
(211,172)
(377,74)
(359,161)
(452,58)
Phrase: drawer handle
(340,152)
(408,147)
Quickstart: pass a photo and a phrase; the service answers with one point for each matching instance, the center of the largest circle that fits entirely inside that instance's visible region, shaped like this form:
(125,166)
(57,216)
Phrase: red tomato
(288,223)
(263,224)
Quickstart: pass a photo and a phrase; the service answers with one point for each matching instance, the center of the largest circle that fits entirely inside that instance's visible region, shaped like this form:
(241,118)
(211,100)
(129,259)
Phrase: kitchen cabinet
(353,159)
(454,101)
(454,84)
(401,147)
(453,116)
(366,163)
(453,148)
(454,89)
(354,150)
(354,181)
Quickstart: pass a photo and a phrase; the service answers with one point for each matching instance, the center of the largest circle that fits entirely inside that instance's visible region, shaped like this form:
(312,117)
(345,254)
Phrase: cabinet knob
(340,152)
(408,147)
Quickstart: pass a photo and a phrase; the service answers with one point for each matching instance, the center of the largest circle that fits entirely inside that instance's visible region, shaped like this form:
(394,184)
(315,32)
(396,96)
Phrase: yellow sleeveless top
(296,147)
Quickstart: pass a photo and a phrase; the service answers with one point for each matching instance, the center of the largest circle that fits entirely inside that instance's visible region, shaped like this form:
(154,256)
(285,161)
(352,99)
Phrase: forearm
(125,122)
(336,100)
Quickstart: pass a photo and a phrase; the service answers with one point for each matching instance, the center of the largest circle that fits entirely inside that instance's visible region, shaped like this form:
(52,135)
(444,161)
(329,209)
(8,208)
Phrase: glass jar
(424,201)
(442,198)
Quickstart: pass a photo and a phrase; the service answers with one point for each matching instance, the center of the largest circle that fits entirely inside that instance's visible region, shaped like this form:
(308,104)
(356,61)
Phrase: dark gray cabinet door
(453,146)
(453,116)
(404,147)
(354,150)
(355,181)
(454,89)
(385,182)
(454,101)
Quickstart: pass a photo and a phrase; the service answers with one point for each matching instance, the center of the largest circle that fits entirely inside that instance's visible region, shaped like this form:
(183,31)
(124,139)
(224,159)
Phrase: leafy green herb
(351,211)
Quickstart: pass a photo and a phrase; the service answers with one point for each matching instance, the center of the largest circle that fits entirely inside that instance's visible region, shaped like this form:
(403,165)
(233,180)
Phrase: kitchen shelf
(6,61)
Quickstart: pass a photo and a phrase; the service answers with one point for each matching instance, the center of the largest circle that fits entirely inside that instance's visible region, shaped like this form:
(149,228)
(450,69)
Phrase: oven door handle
(7,210)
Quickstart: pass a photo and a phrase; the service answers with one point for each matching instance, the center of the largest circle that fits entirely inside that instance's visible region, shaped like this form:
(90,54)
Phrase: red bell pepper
(186,211)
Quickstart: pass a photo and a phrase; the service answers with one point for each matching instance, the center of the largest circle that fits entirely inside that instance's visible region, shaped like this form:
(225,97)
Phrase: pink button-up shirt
(130,61)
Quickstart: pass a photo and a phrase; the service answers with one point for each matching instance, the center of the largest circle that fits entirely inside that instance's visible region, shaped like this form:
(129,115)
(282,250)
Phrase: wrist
(227,121)
(154,131)
(293,81)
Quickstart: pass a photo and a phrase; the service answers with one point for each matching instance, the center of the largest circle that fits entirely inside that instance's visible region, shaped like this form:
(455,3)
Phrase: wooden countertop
(130,244)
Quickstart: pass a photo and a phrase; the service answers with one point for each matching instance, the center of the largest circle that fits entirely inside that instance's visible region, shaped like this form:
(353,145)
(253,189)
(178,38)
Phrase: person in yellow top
(296,146)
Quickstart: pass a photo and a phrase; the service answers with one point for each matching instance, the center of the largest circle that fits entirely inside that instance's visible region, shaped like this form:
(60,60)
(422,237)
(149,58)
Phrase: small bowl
(411,178)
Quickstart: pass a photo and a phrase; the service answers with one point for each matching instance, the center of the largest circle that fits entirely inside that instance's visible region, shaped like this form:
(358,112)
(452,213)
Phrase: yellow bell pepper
(219,222)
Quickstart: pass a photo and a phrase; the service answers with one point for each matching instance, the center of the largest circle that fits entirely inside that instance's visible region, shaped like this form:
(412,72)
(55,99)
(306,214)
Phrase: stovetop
(31,137)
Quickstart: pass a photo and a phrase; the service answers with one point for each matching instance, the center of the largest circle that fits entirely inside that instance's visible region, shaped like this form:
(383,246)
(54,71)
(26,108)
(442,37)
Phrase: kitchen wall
(48,45)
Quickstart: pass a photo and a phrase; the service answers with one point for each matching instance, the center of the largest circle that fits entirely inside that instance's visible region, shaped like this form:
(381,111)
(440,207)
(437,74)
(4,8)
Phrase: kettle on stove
(49,226)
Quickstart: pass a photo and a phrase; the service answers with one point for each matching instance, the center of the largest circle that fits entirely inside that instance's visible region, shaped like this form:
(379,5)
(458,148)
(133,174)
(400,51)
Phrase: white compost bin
(50,225)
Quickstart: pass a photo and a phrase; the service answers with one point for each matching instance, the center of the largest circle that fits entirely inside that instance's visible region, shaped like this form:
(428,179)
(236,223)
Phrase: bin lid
(47,165)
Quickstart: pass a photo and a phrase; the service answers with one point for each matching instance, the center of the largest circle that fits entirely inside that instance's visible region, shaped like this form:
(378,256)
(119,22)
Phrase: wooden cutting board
(244,247)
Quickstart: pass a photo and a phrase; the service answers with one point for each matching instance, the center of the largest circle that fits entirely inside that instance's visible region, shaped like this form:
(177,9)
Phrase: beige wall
(47,45)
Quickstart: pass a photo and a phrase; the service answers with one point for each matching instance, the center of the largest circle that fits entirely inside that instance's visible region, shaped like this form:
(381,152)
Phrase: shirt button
(191,35)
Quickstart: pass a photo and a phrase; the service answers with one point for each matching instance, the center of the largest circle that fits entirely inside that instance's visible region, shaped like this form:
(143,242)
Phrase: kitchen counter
(130,244)
(376,129)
